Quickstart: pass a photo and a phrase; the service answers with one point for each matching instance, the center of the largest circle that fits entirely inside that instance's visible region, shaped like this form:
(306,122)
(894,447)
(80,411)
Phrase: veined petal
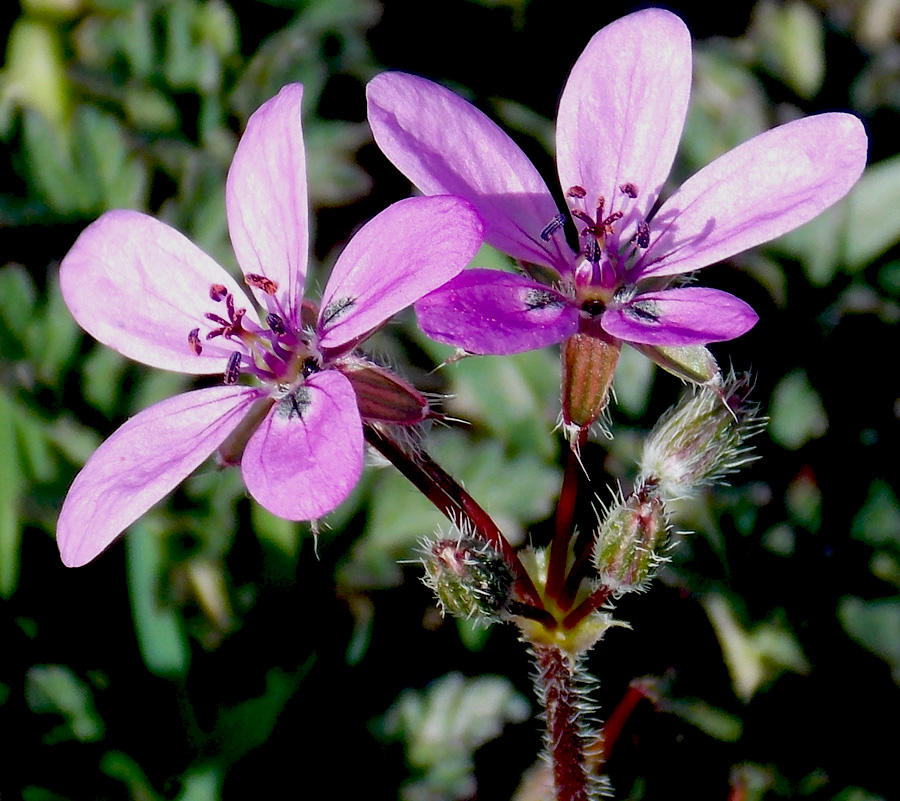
(766,187)
(266,200)
(677,317)
(307,455)
(141,287)
(444,145)
(141,462)
(622,112)
(491,312)
(409,249)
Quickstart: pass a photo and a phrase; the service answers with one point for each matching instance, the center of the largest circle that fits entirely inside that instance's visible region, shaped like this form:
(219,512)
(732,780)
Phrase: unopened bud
(588,364)
(701,439)
(630,541)
(469,578)
(383,396)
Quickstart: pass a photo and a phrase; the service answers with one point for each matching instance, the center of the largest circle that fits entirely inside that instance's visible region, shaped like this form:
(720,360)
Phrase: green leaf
(11,482)
(878,521)
(445,724)
(160,632)
(104,160)
(790,38)
(796,413)
(754,657)
(876,626)
(869,231)
(713,721)
(55,689)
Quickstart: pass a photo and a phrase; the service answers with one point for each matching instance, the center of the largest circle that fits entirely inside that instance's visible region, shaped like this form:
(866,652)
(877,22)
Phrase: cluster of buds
(696,443)
(469,577)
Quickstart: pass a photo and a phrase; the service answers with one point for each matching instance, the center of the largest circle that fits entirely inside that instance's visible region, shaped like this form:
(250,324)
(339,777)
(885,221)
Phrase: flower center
(277,354)
(601,270)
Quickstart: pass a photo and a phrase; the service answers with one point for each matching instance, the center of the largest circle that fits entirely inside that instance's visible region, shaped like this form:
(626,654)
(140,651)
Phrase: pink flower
(620,120)
(145,290)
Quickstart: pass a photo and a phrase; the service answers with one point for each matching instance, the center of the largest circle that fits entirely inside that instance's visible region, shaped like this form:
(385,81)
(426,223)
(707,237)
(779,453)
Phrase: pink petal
(764,188)
(307,455)
(677,317)
(622,112)
(409,249)
(141,287)
(141,462)
(491,312)
(265,197)
(444,145)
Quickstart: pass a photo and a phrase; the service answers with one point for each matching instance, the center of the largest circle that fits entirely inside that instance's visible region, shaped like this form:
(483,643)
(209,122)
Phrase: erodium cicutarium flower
(620,119)
(295,389)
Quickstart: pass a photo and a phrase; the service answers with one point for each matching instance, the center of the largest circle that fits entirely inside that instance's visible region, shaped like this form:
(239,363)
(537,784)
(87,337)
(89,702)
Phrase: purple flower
(145,290)
(620,120)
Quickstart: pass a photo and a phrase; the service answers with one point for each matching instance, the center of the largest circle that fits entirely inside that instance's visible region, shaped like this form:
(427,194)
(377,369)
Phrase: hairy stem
(563,711)
(453,501)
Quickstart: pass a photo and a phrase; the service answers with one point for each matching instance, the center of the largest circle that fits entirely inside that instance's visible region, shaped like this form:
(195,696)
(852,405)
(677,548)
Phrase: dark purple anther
(553,226)
(217,292)
(576,192)
(233,370)
(629,189)
(276,324)
(194,341)
(643,235)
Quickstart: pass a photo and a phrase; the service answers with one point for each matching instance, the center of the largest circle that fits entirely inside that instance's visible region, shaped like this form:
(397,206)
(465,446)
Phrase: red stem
(557,690)
(565,514)
(454,502)
(594,601)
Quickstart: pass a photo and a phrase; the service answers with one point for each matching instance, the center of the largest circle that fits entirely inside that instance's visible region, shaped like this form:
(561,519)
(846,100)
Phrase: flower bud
(630,539)
(701,439)
(383,396)
(469,578)
(588,364)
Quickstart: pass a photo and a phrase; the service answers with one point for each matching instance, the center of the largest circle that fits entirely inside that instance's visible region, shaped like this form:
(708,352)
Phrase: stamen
(310,366)
(629,189)
(643,235)
(217,292)
(229,304)
(276,324)
(591,250)
(267,285)
(194,341)
(553,226)
(218,332)
(216,319)
(233,370)
(576,192)
(578,214)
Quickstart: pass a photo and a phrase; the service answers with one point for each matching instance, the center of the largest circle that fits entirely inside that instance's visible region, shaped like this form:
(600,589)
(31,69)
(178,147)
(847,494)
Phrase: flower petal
(409,249)
(444,145)
(677,317)
(265,197)
(491,312)
(622,112)
(307,455)
(141,287)
(766,187)
(141,462)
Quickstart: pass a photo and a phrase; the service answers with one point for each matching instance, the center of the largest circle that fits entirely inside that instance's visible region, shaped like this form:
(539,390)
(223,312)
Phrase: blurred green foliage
(220,652)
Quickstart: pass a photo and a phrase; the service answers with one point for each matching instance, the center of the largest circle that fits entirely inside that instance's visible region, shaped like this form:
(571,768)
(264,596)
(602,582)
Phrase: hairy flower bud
(469,578)
(588,364)
(630,539)
(701,439)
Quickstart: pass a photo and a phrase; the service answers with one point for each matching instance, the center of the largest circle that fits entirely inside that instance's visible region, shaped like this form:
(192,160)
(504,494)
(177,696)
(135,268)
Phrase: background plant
(212,653)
